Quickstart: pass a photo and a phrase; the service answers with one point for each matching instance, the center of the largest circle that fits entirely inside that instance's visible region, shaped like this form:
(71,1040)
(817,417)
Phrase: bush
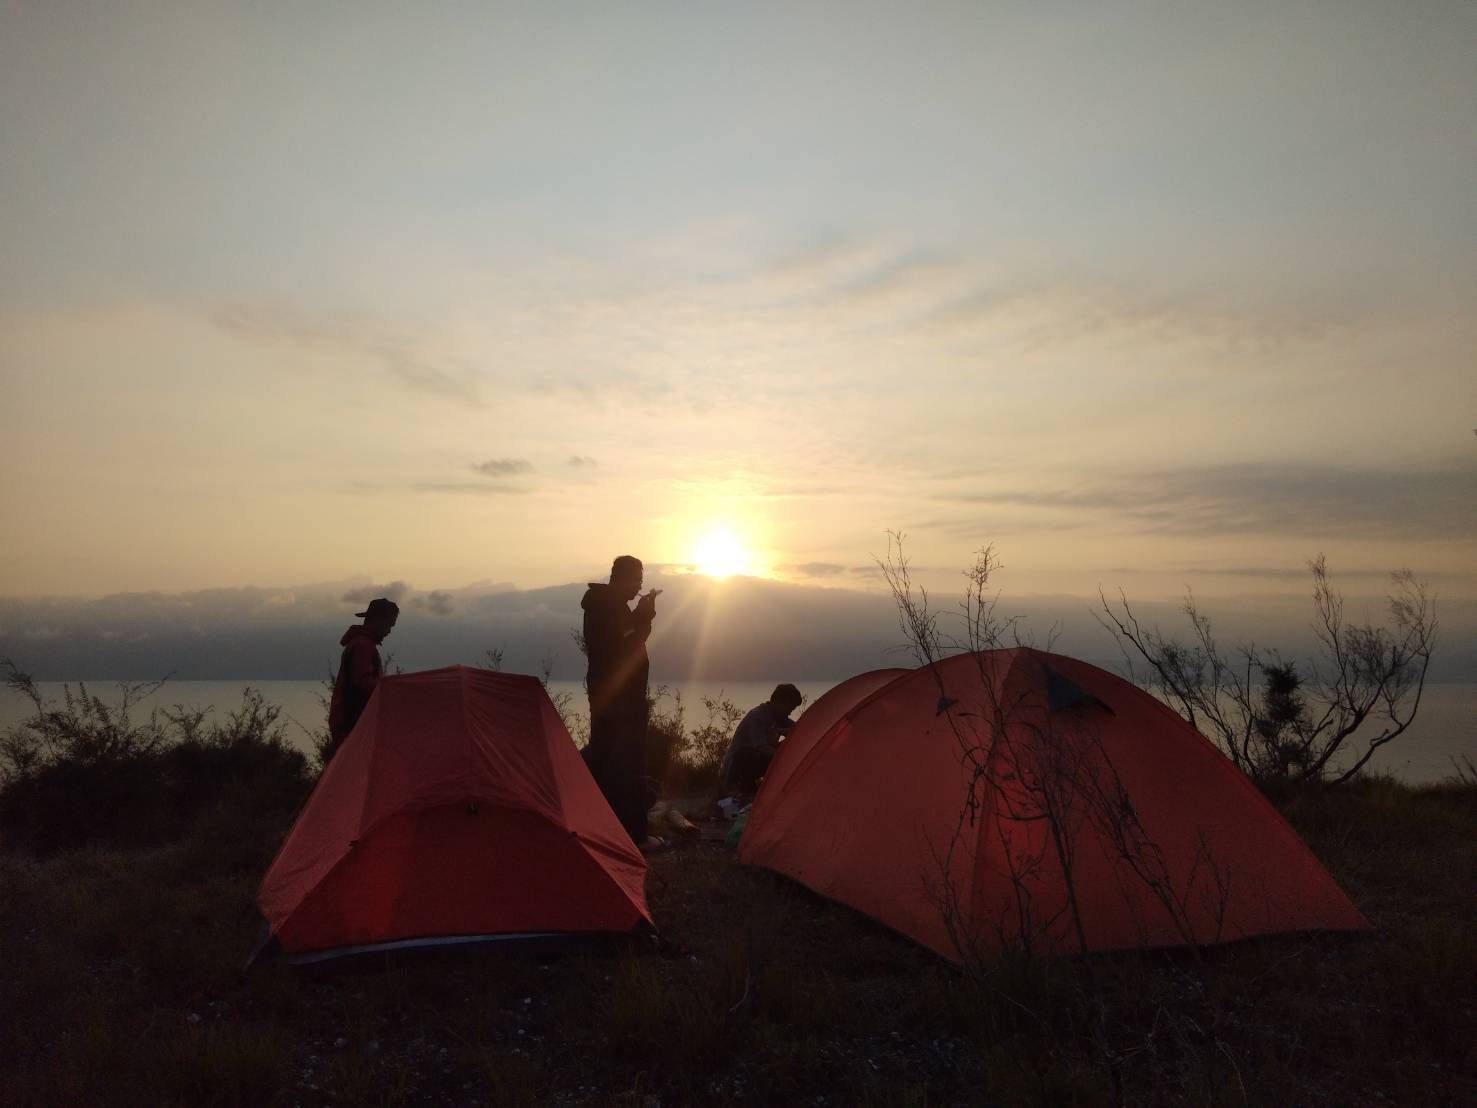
(666,732)
(709,743)
(688,760)
(80,772)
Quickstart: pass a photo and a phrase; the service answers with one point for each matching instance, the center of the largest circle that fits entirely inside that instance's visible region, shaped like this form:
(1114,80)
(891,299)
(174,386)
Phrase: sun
(720,554)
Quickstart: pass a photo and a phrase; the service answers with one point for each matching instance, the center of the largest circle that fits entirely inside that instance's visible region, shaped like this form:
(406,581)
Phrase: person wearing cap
(359,669)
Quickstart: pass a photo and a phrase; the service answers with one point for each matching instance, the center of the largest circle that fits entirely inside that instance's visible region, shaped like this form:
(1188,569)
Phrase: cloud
(395,591)
(405,357)
(473,487)
(1297,499)
(612,337)
(875,285)
(1299,573)
(486,587)
(582,461)
(823,325)
(739,629)
(438,602)
(419,375)
(503,467)
(785,490)
(874,572)
(812,569)
(1052,312)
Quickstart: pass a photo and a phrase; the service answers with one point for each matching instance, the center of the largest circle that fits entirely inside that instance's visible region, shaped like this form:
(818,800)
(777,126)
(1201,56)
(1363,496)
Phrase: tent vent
(1062,692)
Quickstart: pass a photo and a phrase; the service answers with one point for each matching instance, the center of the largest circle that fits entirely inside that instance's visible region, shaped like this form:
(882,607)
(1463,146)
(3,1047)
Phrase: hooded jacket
(358,673)
(615,644)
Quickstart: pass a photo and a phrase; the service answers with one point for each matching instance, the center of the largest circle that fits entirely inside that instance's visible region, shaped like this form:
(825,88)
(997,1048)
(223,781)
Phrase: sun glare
(719,554)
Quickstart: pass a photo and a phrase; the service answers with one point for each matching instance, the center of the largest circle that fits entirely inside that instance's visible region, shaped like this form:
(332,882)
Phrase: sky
(297,300)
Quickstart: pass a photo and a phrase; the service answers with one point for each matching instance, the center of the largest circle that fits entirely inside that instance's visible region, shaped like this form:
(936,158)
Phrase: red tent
(1019,798)
(458,808)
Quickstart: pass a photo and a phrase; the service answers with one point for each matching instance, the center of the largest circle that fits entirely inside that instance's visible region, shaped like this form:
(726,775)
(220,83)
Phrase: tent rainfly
(1020,798)
(458,809)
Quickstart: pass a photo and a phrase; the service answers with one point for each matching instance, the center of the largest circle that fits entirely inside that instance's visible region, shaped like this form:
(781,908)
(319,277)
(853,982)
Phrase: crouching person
(755,741)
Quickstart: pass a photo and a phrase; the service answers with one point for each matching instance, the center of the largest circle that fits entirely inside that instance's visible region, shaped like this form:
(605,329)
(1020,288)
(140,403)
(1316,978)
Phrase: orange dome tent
(457,809)
(1019,798)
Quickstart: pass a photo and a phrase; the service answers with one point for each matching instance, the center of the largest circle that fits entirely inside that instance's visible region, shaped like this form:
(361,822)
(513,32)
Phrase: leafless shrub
(319,737)
(1464,772)
(562,699)
(1046,771)
(1039,782)
(979,624)
(1273,718)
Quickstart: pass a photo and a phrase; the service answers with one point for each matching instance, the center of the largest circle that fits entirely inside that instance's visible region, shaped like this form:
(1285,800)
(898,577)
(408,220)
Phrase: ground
(120,983)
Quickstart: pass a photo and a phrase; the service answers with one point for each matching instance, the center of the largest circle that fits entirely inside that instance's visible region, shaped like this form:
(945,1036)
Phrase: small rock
(340,1043)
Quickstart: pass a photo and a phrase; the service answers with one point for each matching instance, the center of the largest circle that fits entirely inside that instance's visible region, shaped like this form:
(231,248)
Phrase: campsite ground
(119,984)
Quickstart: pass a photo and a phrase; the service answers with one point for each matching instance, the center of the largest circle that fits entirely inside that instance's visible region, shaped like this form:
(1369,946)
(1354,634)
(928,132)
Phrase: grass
(120,984)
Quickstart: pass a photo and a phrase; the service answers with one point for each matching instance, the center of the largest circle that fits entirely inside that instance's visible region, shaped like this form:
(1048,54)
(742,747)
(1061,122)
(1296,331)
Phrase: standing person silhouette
(615,646)
(359,669)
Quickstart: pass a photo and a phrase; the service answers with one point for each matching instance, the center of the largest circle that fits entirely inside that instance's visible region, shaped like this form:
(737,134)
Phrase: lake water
(1445,729)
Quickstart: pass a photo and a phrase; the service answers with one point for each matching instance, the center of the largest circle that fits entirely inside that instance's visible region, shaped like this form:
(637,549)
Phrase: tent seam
(643,910)
(466,768)
(827,737)
(542,701)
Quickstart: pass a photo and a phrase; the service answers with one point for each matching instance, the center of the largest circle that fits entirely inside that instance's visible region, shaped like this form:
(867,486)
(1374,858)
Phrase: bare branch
(1304,716)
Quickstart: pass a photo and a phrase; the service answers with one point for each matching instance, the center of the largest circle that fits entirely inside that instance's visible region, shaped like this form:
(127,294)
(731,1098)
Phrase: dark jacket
(615,644)
(358,673)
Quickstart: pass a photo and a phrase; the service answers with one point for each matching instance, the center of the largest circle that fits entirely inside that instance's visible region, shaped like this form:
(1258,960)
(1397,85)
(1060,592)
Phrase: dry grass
(119,985)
